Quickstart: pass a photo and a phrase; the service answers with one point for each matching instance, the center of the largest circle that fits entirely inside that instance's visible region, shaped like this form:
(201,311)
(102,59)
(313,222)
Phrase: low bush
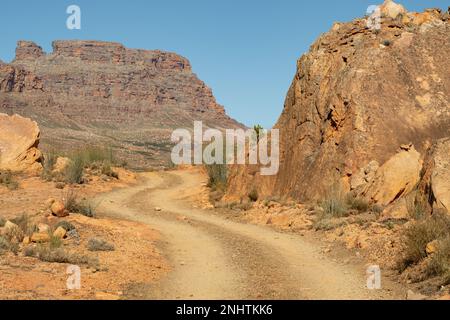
(59,255)
(74,205)
(96,244)
(7,179)
(419,234)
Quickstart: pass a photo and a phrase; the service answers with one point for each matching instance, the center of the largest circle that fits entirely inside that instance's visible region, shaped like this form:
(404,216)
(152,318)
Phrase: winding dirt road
(215,258)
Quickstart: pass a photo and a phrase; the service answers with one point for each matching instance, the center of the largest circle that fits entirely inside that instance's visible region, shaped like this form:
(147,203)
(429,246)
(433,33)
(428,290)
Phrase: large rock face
(434,186)
(19,139)
(357,97)
(103,93)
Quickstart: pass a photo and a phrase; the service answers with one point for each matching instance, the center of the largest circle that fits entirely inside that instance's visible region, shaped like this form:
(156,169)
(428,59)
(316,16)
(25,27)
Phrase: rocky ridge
(364,108)
(103,93)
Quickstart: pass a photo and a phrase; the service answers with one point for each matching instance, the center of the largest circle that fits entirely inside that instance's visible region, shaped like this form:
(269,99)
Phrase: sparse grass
(108,171)
(49,162)
(357,203)
(7,245)
(7,179)
(55,242)
(416,207)
(419,234)
(253,195)
(218,176)
(96,244)
(440,261)
(74,205)
(74,172)
(25,224)
(334,205)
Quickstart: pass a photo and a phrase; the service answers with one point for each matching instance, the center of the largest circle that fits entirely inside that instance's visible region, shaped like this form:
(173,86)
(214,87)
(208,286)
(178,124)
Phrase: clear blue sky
(245,50)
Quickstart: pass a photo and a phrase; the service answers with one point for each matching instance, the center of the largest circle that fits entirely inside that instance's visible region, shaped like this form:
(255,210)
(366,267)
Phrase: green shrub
(48,164)
(334,204)
(218,175)
(357,203)
(55,242)
(96,244)
(253,195)
(74,205)
(74,172)
(7,245)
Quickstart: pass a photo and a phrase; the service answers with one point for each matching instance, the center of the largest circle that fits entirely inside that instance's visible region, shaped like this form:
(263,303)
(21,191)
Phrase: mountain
(101,93)
(365,104)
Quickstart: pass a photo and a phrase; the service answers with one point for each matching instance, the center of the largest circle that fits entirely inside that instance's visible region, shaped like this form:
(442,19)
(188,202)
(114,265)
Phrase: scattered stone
(60,233)
(26,240)
(40,237)
(58,209)
(158,209)
(42,227)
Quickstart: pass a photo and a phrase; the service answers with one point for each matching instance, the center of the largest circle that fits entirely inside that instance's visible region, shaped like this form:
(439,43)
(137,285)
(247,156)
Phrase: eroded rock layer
(103,93)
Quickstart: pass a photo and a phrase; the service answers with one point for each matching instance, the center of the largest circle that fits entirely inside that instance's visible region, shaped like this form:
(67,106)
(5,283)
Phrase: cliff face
(358,98)
(104,93)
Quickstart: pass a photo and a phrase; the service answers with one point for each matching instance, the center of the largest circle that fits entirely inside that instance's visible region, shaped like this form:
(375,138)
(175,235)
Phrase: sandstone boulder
(40,237)
(397,177)
(62,163)
(391,9)
(58,209)
(60,233)
(19,139)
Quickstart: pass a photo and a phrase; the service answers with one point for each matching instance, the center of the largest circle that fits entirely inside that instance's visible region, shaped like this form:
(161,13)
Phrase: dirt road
(216,258)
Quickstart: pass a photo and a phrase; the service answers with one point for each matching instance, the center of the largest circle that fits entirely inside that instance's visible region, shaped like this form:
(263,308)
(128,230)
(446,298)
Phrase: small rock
(182,218)
(9,225)
(60,233)
(432,247)
(411,295)
(49,202)
(158,209)
(58,209)
(26,240)
(42,227)
(40,237)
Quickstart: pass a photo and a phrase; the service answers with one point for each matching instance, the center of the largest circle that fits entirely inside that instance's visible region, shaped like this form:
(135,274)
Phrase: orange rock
(58,209)
(60,233)
(40,237)
(19,138)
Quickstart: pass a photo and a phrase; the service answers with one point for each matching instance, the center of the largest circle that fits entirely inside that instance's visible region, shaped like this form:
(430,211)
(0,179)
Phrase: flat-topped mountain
(103,93)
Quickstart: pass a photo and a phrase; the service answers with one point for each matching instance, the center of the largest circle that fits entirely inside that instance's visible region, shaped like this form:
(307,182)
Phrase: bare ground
(213,257)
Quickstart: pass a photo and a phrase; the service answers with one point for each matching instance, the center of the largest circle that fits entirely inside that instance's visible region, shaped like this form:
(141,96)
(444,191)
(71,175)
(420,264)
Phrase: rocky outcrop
(19,139)
(358,96)
(27,50)
(102,93)
(434,186)
(396,178)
